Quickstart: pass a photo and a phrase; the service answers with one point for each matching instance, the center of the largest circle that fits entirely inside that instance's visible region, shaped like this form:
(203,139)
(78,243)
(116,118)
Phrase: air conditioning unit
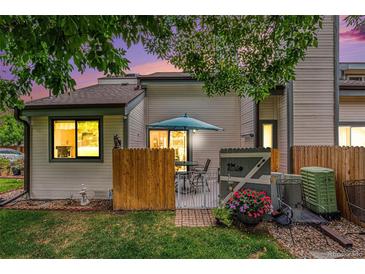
(319,189)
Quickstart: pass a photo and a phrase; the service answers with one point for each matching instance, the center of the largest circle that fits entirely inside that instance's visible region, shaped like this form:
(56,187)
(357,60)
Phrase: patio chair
(198,177)
(355,194)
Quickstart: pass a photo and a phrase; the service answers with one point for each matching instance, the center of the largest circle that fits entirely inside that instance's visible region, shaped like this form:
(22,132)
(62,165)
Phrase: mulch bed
(7,195)
(310,243)
(66,205)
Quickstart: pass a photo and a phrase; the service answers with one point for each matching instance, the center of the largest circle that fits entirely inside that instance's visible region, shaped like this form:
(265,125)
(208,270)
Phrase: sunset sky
(352,49)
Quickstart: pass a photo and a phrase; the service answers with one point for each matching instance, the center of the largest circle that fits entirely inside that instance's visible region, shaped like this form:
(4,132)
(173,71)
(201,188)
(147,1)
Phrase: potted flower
(249,206)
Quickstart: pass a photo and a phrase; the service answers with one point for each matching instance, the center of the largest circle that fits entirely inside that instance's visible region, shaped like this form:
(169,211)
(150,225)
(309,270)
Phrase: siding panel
(136,127)
(352,109)
(248,114)
(313,92)
(165,102)
(56,180)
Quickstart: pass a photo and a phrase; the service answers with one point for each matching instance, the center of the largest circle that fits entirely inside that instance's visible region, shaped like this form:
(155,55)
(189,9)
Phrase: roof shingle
(97,95)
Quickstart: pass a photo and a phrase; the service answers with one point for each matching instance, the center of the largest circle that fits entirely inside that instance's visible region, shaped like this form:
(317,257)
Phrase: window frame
(350,125)
(51,120)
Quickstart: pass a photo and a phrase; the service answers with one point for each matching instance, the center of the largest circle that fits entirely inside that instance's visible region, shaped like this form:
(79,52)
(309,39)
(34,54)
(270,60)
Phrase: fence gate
(143,179)
(194,191)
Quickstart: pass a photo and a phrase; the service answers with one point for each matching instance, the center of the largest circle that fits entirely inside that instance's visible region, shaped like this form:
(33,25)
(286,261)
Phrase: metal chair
(355,194)
(198,178)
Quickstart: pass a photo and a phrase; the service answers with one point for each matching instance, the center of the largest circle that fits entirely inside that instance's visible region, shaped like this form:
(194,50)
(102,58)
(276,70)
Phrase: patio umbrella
(184,123)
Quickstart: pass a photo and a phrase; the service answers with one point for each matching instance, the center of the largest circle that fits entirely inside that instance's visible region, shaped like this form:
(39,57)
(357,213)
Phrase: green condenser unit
(319,189)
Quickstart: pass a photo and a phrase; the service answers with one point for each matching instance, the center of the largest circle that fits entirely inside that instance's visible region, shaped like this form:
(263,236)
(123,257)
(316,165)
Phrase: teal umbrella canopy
(184,123)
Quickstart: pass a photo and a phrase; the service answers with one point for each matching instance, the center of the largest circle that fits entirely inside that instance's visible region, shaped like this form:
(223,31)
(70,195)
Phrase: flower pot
(249,221)
(219,223)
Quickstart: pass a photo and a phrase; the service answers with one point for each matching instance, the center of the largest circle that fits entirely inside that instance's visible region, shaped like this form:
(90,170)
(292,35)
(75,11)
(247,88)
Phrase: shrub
(4,165)
(250,203)
(223,215)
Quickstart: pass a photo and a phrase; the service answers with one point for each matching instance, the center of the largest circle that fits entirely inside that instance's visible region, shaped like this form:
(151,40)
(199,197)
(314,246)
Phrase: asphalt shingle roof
(352,84)
(97,95)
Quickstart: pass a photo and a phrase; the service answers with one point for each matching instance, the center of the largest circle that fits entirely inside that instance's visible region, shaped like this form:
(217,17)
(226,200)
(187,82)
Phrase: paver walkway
(194,217)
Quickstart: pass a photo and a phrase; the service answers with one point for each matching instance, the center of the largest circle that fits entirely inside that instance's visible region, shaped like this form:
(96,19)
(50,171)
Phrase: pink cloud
(158,66)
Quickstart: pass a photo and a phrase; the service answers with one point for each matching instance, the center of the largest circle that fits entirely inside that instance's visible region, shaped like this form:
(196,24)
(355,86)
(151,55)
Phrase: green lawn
(9,184)
(40,234)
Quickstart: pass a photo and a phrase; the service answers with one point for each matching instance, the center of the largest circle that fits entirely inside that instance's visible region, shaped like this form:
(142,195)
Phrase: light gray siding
(269,108)
(168,101)
(313,92)
(248,127)
(352,109)
(59,180)
(137,127)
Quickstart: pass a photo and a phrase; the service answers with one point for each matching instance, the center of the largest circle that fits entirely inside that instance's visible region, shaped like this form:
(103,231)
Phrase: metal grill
(197,191)
(355,192)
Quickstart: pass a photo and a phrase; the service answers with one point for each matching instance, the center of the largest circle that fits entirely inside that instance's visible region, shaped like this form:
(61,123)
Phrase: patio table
(186,163)
(184,173)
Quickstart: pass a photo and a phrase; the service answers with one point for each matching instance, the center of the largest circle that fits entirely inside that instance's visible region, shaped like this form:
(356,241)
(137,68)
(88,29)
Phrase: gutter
(26,124)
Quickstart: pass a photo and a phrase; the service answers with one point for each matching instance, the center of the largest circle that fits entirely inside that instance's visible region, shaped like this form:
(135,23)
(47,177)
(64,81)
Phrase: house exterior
(71,137)
(352,104)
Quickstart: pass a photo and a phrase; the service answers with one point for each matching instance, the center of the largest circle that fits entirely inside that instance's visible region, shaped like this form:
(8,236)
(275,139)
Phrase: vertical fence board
(143,179)
(347,162)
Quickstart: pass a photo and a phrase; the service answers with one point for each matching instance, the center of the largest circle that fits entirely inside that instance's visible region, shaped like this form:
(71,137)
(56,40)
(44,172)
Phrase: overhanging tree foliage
(11,131)
(246,54)
(249,55)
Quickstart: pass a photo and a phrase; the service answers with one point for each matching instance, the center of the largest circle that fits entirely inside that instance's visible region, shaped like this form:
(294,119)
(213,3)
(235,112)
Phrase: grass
(47,234)
(10,184)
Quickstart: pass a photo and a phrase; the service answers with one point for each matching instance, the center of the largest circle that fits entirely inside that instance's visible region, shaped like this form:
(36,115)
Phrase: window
(351,136)
(355,78)
(76,138)
(176,139)
(268,133)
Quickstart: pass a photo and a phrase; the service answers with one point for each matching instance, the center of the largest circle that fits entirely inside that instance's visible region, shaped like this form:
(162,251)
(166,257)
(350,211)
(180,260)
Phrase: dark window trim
(275,132)
(78,158)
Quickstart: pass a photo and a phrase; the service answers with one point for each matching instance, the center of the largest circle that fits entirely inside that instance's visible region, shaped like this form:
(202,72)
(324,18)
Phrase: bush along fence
(143,179)
(347,162)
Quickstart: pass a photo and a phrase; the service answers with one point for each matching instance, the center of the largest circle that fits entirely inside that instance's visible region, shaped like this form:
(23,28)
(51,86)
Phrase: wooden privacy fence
(275,160)
(143,179)
(347,162)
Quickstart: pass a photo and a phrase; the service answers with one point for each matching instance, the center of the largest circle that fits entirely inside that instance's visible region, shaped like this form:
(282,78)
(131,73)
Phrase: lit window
(76,139)
(351,136)
(88,138)
(267,135)
(159,139)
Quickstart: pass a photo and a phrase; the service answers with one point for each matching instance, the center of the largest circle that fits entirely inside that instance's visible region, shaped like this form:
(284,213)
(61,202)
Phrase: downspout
(26,124)
(290,128)
(26,157)
(336,79)
(257,125)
